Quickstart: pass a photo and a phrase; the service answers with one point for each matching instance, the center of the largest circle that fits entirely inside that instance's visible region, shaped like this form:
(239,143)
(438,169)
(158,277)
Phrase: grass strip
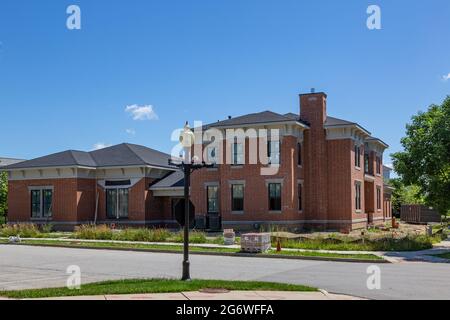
(179,248)
(141,286)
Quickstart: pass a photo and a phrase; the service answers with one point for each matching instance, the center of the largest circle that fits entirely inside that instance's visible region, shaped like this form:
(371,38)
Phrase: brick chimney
(313,109)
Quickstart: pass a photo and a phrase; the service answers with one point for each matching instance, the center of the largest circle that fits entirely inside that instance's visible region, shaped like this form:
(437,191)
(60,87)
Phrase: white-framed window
(212,154)
(41,203)
(357,156)
(237,197)
(300,197)
(273,152)
(299,154)
(378,165)
(358,195)
(274,196)
(378,198)
(237,154)
(117,203)
(212,194)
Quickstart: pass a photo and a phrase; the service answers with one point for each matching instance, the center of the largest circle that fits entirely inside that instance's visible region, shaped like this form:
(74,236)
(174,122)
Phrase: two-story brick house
(321,172)
(329,175)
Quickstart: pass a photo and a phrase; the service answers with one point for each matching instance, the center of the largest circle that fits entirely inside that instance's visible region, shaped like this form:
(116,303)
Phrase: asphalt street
(38,267)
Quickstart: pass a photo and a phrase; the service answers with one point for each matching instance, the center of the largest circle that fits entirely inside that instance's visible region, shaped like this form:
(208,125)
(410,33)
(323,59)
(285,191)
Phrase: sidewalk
(393,257)
(423,255)
(198,245)
(232,295)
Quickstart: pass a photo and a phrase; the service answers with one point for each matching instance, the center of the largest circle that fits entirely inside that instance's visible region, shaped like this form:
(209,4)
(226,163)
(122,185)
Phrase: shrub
(22,230)
(194,237)
(143,234)
(408,243)
(92,232)
(47,228)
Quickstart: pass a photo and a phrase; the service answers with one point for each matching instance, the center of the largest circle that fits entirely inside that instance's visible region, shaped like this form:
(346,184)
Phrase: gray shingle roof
(253,118)
(377,140)
(175,179)
(60,159)
(119,155)
(9,161)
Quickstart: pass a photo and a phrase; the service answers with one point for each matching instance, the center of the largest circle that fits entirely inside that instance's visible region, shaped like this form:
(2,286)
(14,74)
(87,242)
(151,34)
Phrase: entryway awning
(169,186)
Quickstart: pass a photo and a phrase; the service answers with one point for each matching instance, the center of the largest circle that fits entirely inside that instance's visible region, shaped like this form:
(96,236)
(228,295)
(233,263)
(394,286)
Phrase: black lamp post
(188,166)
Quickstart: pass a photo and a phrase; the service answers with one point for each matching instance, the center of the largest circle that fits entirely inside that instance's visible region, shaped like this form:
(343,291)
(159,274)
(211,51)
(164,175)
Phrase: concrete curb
(226,254)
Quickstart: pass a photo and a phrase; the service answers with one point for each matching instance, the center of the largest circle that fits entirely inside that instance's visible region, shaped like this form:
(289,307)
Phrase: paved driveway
(37,267)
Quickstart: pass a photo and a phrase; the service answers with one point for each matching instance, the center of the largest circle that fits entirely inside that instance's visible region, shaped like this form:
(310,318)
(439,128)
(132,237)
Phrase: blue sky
(204,60)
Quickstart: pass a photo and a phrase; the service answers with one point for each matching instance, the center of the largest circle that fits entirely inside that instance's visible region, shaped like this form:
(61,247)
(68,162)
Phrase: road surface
(38,267)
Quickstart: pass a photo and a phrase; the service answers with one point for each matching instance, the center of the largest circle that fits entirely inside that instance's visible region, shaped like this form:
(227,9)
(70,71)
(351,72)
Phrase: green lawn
(179,248)
(153,286)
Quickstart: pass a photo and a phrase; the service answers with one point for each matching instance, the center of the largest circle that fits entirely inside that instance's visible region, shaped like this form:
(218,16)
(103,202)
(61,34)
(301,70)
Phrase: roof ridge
(71,154)
(128,146)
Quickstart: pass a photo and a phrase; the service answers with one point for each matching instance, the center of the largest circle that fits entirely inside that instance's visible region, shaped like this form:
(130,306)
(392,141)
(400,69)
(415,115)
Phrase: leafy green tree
(425,161)
(3,195)
(405,194)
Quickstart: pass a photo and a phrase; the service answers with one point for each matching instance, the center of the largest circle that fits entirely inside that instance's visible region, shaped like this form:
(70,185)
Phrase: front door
(213,221)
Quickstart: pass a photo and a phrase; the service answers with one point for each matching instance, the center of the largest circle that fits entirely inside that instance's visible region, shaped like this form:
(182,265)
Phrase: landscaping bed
(153,286)
(201,250)
(407,238)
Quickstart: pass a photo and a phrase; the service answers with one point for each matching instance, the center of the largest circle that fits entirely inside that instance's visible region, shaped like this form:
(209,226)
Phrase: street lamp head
(187,137)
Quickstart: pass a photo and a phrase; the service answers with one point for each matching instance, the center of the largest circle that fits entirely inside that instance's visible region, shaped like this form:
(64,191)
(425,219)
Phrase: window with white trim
(212,154)
(358,195)
(41,203)
(273,152)
(357,156)
(238,154)
(237,197)
(300,197)
(274,196)
(117,203)
(378,198)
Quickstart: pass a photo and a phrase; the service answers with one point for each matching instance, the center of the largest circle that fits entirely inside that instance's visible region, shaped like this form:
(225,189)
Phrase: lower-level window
(379,198)
(117,203)
(275,196)
(237,197)
(41,203)
(358,195)
(300,198)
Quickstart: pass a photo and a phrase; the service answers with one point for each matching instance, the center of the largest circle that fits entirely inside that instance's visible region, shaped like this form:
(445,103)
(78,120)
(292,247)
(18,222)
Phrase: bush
(408,243)
(143,234)
(92,232)
(47,228)
(194,237)
(22,230)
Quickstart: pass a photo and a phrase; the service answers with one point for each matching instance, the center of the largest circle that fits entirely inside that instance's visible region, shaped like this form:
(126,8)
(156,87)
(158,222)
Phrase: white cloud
(101,145)
(145,112)
(446,77)
(131,132)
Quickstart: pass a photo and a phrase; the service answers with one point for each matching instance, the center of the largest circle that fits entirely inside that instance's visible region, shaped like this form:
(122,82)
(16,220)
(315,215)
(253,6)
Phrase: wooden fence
(419,214)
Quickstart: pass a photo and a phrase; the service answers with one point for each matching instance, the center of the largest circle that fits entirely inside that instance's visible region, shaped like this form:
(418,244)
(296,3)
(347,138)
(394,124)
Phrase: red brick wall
(86,199)
(256,203)
(340,179)
(156,208)
(64,199)
(313,110)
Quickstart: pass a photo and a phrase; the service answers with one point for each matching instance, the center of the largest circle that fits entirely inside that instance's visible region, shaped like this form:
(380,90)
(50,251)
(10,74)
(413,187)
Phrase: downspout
(96,200)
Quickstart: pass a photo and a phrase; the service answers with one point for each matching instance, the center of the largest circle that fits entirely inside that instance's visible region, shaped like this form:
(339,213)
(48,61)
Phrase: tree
(425,161)
(3,196)
(404,194)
